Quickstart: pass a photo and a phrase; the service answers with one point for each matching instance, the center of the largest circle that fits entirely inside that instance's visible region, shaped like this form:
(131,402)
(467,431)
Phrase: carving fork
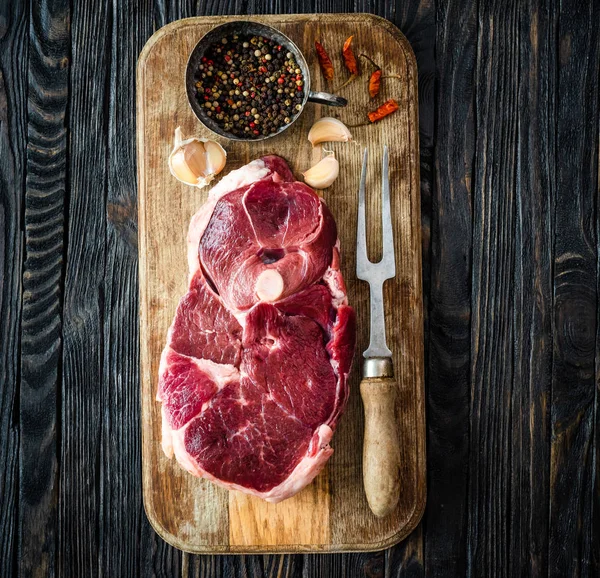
(378,388)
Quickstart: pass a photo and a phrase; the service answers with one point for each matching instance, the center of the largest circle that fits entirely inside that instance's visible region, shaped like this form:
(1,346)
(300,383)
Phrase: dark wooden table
(509,113)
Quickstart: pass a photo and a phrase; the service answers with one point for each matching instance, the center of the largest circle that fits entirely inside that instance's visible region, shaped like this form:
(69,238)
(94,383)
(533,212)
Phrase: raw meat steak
(254,374)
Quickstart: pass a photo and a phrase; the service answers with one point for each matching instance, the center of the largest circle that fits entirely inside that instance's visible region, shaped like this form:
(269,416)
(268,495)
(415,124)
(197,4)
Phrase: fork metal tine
(376,273)
(362,260)
(386,267)
(388,258)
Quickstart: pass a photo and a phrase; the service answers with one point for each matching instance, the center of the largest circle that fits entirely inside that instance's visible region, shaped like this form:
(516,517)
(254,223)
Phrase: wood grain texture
(532,301)
(450,302)
(595,518)
(381,454)
(82,444)
(573,466)
(13,120)
(546,520)
(492,331)
(331,514)
(42,285)
(121,450)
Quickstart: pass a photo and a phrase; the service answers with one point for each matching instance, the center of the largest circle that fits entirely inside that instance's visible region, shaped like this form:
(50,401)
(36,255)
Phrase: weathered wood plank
(574,386)
(80,497)
(406,560)
(283,566)
(157,558)
(122,522)
(595,526)
(450,301)
(371,564)
(529,481)
(46,184)
(254,566)
(13,130)
(492,336)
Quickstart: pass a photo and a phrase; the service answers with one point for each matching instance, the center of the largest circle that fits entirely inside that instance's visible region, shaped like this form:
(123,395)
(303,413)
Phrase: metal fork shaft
(376,273)
(377,344)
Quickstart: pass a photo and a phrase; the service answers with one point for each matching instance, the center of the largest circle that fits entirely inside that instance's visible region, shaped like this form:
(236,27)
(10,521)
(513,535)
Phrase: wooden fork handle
(381,451)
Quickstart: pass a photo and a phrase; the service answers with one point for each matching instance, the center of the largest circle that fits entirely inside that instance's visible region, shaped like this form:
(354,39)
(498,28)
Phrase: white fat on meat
(242,177)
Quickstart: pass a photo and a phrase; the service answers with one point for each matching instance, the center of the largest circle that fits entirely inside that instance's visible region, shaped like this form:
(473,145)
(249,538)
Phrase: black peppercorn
(249,85)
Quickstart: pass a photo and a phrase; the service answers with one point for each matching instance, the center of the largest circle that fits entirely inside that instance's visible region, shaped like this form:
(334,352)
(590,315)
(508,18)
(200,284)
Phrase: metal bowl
(253,29)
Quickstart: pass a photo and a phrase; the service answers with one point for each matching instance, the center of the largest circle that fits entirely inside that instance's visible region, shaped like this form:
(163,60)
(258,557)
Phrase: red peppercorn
(253,86)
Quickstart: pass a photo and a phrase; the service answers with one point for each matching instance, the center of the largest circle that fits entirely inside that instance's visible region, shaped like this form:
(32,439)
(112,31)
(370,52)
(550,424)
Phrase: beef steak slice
(253,377)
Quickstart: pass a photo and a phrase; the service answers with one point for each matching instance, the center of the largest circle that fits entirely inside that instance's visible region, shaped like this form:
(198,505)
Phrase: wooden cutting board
(331,514)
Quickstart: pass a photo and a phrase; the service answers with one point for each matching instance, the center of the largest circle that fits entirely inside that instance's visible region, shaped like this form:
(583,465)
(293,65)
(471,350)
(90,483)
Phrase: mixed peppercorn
(249,85)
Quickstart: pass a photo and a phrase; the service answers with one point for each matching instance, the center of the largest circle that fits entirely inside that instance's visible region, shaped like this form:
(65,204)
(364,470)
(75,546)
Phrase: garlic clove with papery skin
(322,175)
(216,157)
(328,129)
(196,161)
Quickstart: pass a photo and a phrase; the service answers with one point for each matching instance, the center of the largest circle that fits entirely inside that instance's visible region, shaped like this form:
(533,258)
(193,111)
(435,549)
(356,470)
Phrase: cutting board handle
(381,450)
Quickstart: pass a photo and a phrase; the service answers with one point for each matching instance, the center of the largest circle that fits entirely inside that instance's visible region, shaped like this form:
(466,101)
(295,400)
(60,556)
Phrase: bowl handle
(326,98)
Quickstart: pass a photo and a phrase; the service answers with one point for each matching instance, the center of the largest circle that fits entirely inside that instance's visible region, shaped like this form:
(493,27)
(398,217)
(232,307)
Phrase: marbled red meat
(283,227)
(254,374)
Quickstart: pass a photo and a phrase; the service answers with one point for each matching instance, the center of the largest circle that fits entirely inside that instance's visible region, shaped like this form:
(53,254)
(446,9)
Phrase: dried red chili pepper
(349,59)
(375,83)
(388,107)
(375,78)
(324,61)
(350,62)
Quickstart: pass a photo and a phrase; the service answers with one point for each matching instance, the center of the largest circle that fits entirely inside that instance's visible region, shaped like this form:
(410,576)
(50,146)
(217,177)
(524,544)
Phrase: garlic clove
(194,158)
(196,161)
(322,175)
(329,129)
(216,157)
(180,169)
